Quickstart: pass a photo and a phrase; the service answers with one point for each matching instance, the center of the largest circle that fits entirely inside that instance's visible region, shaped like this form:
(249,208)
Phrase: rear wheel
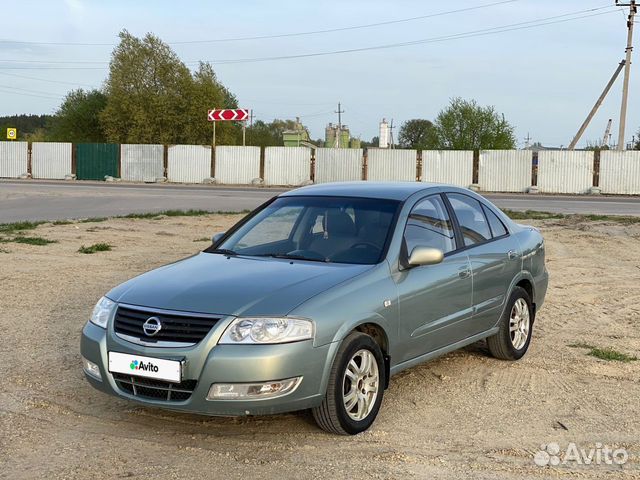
(516,326)
(355,389)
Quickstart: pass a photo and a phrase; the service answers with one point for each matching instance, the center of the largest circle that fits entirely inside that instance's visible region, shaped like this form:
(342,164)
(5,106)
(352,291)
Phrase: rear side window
(471,219)
(429,225)
(497,227)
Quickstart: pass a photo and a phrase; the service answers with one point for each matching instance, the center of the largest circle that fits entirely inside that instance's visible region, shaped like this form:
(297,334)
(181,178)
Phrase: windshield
(323,229)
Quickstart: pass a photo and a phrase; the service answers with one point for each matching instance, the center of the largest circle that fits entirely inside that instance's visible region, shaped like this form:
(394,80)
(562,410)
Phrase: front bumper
(210,363)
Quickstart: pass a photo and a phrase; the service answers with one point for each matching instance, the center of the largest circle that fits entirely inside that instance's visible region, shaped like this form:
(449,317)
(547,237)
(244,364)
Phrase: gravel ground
(464,415)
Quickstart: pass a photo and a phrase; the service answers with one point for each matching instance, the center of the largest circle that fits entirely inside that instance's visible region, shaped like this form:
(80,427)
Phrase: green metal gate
(96,160)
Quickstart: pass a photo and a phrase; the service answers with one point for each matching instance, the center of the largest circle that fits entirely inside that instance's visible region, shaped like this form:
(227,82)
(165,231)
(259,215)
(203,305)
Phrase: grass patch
(538,215)
(96,247)
(93,220)
(203,239)
(33,240)
(608,354)
(62,222)
(612,218)
(532,215)
(18,226)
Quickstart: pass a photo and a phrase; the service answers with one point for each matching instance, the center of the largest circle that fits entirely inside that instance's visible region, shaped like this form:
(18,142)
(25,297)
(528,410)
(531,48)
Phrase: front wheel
(355,389)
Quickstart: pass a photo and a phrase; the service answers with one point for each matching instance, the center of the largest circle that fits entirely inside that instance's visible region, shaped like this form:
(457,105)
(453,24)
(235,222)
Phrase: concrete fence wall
(51,160)
(620,172)
(287,165)
(389,165)
(188,163)
(570,172)
(142,163)
(14,159)
(453,167)
(338,164)
(237,165)
(565,171)
(505,170)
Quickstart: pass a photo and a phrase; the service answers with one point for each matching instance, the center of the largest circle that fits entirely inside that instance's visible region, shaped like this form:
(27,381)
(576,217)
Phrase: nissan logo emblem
(152,326)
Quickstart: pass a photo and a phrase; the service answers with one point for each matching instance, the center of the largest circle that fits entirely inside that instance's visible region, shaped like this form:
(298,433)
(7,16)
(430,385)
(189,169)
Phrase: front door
(435,300)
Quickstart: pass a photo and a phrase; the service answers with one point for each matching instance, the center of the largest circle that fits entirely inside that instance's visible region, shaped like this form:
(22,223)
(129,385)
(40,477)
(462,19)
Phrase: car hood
(213,283)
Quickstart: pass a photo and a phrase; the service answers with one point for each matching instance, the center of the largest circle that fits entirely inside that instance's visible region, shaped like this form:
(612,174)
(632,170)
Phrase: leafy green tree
(270,134)
(147,92)
(637,138)
(465,125)
(152,97)
(207,93)
(78,118)
(375,141)
(418,134)
(27,125)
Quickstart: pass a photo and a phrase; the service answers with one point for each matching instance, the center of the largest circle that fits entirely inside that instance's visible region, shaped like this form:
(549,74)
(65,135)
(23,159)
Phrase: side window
(471,219)
(497,227)
(429,225)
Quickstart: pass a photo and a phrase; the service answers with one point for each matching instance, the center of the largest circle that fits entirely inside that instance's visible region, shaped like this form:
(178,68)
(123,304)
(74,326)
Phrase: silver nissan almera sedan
(315,299)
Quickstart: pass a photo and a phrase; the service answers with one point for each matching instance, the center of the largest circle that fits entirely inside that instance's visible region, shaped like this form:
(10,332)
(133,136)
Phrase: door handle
(512,254)
(464,272)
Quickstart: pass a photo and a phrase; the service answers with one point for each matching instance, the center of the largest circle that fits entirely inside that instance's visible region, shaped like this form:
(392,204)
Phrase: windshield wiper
(222,251)
(287,256)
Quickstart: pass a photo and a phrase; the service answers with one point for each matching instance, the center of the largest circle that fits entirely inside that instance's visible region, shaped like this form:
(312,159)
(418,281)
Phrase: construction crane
(607,134)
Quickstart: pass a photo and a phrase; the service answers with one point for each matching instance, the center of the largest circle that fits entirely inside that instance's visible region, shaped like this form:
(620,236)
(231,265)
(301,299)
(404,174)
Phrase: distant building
(297,137)
(385,134)
(339,137)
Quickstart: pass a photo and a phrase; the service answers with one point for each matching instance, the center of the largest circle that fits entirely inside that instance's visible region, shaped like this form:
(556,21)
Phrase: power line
(47,80)
(32,91)
(556,19)
(281,35)
(49,97)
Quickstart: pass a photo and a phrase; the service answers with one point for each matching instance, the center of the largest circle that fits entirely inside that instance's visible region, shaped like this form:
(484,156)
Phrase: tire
(332,415)
(516,327)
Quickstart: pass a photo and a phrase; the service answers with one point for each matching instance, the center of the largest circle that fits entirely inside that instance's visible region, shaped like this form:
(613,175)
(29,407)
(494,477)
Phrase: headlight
(267,330)
(102,312)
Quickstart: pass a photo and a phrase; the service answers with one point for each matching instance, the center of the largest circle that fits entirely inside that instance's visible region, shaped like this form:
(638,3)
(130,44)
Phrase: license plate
(139,366)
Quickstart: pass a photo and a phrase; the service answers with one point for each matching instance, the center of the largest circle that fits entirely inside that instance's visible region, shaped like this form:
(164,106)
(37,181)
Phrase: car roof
(365,189)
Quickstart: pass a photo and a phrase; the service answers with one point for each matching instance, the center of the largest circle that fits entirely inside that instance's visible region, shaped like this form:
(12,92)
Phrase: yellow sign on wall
(12,133)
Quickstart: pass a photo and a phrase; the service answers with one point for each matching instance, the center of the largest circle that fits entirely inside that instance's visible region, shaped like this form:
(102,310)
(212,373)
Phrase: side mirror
(217,237)
(425,256)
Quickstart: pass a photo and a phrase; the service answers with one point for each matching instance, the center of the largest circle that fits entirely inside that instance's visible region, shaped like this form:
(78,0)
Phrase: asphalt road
(51,200)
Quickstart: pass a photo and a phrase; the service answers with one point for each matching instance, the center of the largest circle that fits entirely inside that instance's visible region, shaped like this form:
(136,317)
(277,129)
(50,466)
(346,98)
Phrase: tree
(637,138)
(464,125)
(374,143)
(78,118)
(270,134)
(27,125)
(153,98)
(206,93)
(418,134)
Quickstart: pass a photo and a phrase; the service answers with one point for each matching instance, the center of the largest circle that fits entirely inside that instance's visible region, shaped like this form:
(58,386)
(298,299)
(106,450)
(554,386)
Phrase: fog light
(91,369)
(253,391)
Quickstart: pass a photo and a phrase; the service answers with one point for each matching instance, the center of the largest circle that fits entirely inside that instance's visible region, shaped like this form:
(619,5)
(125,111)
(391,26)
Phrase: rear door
(494,255)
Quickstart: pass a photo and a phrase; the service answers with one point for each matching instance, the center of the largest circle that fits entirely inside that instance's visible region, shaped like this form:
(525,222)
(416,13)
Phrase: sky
(543,78)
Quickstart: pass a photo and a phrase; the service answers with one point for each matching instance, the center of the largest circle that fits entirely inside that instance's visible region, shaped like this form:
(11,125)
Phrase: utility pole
(633,9)
(250,123)
(595,108)
(527,141)
(339,132)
